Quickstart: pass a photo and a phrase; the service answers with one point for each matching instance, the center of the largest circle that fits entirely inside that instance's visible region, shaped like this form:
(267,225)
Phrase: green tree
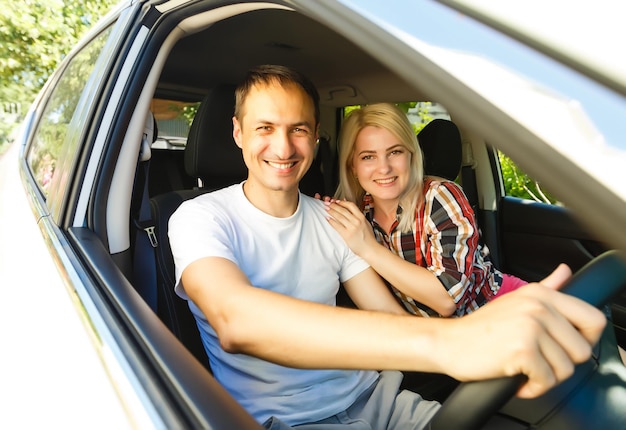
(35,35)
(519,184)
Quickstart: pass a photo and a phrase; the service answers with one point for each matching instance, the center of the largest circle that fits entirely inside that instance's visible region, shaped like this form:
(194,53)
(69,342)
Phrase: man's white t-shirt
(301,256)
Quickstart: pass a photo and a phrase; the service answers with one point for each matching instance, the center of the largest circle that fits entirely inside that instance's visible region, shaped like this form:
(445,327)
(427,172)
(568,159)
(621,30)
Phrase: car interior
(199,58)
(211,160)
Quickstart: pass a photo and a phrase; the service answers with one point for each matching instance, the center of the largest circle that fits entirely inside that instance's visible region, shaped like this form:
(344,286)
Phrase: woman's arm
(368,292)
(453,237)
(414,281)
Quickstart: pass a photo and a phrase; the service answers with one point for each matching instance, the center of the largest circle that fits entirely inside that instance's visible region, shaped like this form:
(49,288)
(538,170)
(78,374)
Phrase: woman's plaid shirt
(449,246)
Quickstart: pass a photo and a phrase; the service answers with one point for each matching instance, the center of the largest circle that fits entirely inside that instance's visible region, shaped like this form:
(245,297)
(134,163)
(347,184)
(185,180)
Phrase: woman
(419,233)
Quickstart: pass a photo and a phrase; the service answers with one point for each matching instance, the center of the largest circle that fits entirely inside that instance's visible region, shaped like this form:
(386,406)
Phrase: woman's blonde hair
(391,118)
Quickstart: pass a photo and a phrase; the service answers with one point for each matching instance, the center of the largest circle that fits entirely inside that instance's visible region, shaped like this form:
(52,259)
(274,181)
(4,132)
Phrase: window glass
(516,182)
(57,136)
(421,113)
(519,184)
(173,122)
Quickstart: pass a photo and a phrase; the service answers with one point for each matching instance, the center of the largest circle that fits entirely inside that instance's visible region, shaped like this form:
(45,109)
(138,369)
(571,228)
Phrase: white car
(96,337)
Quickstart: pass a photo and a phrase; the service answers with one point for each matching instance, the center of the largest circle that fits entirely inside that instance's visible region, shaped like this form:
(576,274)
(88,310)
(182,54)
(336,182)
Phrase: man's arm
(535,331)
(548,332)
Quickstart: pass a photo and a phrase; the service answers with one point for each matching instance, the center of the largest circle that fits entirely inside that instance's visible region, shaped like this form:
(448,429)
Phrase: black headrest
(211,153)
(441,144)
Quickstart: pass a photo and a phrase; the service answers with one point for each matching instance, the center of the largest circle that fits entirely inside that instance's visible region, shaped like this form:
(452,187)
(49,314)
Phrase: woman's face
(381,164)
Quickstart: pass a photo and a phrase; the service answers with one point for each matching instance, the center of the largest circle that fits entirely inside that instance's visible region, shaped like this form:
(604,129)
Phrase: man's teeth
(385,181)
(281,165)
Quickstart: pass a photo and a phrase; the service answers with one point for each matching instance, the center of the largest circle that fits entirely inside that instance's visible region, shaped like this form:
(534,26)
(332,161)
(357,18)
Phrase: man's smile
(282,166)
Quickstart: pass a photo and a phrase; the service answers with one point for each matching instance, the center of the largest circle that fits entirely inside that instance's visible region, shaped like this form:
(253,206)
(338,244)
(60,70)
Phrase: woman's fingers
(350,207)
(343,214)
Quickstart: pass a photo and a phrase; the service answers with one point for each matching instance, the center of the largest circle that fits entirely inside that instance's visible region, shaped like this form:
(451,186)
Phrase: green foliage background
(519,184)
(35,35)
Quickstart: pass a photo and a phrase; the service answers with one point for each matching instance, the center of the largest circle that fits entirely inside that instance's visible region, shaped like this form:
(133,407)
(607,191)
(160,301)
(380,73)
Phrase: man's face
(277,136)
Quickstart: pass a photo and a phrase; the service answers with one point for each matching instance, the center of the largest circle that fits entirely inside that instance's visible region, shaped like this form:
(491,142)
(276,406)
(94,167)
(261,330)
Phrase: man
(261,267)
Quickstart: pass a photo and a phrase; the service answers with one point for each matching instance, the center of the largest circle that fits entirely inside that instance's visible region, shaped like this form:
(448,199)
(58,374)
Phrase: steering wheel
(472,404)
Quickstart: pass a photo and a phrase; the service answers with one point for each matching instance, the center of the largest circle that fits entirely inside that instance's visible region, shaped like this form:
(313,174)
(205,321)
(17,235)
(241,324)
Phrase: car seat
(441,145)
(211,156)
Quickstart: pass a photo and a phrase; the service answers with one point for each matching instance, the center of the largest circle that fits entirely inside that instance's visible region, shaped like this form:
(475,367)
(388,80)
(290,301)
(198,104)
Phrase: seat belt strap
(468,178)
(144,275)
(468,175)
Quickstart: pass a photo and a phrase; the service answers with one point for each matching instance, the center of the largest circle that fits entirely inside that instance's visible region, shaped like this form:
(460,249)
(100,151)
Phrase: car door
(78,161)
(52,144)
(536,235)
(536,231)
